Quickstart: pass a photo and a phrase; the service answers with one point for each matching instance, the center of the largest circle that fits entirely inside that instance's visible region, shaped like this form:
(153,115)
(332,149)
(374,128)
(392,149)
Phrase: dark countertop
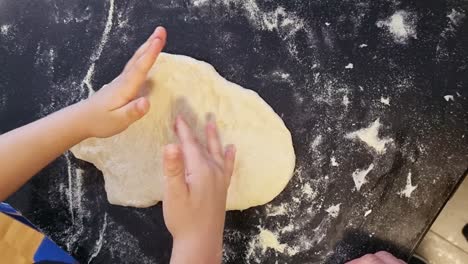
(328,68)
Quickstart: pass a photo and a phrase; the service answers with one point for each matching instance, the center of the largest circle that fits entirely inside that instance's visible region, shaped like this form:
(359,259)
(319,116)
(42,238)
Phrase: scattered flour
(316,142)
(362,45)
(5,29)
(367,213)
(449,98)
(333,210)
(349,66)
(359,176)
(86,82)
(402,26)
(409,188)
(99,242)
(456,17)
(385,100)
(265,240)
(307,191)
(370,136)
(333,162)
(345,101)
(277,210)
(199,3)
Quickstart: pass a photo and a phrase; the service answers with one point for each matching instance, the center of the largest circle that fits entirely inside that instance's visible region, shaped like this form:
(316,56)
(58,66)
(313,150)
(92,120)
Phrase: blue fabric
(7,209)
(49,251)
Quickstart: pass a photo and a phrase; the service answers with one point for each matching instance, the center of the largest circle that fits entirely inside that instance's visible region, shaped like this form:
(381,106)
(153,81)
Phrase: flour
(121,243)
(316,142)
(333,162)
(370,136)
(409,188)
(5,29)
(345,101)
(265,240)
(456,17)
(277,210)
(401,25)
(449,97)
(99,242)
(86,82)
(199,3)
(349,66)
(359,176)
(385,100)
(307,191)
(367,213)
(333,210)
(362,45)
(74,196)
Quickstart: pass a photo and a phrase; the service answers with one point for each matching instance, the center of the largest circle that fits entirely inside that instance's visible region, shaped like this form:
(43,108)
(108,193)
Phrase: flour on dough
(131,162)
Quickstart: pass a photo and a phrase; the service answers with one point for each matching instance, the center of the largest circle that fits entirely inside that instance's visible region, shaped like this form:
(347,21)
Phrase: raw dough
(131,161)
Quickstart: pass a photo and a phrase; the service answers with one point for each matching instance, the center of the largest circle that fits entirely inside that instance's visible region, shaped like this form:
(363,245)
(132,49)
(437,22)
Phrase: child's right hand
(196,184)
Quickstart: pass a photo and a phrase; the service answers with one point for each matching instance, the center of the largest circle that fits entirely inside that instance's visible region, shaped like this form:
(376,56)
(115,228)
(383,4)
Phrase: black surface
(49,46)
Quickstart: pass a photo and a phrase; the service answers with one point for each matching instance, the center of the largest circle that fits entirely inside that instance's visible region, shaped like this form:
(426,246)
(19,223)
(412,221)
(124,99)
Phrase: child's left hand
(116,105)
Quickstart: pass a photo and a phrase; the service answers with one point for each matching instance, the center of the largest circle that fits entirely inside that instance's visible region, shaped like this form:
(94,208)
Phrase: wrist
(199,249)
(83,119)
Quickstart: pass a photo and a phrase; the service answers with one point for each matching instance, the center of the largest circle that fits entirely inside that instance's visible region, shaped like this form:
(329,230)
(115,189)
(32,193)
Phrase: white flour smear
(5,29)
(86,83)
(265,240)
(456,17)
(333,210)
(285,22)
(359,176)
(370,136)
(98,246)
(409,188)
(401,25)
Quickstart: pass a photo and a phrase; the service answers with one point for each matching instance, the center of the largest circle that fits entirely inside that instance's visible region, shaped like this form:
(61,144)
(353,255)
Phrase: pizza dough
(131,161)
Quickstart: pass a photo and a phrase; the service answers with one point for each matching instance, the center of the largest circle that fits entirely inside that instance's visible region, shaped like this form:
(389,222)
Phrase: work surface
(374,93)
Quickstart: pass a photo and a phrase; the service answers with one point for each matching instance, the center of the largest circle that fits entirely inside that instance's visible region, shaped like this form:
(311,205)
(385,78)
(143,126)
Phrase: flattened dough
(131,162)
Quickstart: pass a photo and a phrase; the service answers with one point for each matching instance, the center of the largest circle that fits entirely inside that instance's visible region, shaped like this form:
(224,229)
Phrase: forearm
(26,150)
(197,252)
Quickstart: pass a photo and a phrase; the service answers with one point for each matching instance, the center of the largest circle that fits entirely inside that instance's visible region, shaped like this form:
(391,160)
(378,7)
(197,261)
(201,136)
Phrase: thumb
(174,172)
(134,110)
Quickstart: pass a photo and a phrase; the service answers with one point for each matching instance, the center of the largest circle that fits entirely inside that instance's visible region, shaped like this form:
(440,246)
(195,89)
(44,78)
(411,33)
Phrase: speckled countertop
(373,91)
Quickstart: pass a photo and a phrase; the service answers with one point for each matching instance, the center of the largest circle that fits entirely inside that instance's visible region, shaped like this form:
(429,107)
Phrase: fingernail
(156,32)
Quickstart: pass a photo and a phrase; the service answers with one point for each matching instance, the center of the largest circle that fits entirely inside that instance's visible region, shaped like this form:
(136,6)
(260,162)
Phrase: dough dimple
(131,161)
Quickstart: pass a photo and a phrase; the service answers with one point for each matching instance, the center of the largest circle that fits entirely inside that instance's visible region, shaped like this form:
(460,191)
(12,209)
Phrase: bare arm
(26,150)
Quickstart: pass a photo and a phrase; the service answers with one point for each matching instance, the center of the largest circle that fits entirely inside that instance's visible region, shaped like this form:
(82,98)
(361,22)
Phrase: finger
(174,172)
(137,55)
(160,33)
(138,71)
(134,110)
(229,162)
(388,258)
(190,146)
(213,141)
(367,259)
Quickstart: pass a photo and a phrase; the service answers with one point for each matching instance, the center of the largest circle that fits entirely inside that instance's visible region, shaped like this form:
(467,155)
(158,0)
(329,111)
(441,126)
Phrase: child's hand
(117,105)
(196,184)
(381,257)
